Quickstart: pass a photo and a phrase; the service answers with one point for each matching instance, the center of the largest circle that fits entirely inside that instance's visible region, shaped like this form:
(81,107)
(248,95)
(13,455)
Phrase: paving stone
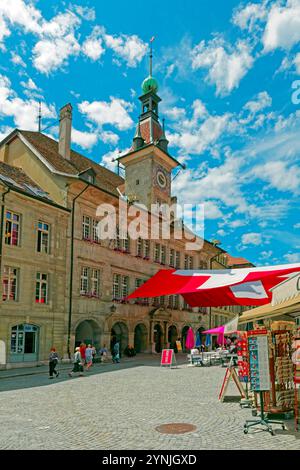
(120,408)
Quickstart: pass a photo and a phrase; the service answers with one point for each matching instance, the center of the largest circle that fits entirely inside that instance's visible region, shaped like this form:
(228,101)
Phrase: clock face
(161,179)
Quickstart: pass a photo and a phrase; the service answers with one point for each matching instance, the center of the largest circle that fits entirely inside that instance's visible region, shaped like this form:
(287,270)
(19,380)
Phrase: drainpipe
(2,226)
(71,270)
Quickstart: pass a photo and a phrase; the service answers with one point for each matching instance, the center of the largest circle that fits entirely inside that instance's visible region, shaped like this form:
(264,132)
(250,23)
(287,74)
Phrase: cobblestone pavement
(119,407)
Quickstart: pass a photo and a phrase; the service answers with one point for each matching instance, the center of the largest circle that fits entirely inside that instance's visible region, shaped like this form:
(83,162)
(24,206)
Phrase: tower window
(137,182)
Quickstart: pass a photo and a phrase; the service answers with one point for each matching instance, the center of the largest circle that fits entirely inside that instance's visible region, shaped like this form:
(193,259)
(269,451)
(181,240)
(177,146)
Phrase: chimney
(65,127)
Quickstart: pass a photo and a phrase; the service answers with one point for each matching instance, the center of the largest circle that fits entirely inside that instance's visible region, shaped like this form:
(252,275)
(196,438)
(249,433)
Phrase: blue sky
(226,72)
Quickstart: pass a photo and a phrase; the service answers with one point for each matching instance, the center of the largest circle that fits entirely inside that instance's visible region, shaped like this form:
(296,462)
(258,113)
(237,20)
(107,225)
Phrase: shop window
(43,237)
(23,339)
(10,284)
(12,228)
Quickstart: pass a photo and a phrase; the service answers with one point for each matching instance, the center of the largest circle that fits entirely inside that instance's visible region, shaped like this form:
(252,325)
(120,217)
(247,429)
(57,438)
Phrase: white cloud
(296,62)
(283,26)
(297,225)
(5,131)
(17,60)
(109,137)
(262,101)
(93,49)
(129,48)
(114,112)
(292,257)
(266,254)
(108,160)
(50,54)
(86,13)
(212,210)
(222,233)
(251,238)
(22,14)
(86,140)
(279,175)
(23,112)
(246,17)
(4,31)
(197,140)
(175,113)
(29,85)
(226,64)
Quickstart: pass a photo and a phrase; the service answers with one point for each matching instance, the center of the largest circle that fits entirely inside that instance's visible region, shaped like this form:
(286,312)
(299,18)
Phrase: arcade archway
(140,338)
(88,332)
(172,336)
(119,332)
(158,337)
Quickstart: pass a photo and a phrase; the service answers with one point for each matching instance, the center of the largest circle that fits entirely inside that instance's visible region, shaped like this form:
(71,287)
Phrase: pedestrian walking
(89,356)
(94,352)
(77,363)
(116,353)
(82,348)
(103,353)
(53,361)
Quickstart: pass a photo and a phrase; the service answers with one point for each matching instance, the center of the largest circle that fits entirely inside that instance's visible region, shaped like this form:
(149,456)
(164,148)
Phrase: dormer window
(88,175)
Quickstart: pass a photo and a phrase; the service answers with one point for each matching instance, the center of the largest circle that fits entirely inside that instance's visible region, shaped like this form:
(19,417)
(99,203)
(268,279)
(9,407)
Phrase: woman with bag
(53,361)
(77,363)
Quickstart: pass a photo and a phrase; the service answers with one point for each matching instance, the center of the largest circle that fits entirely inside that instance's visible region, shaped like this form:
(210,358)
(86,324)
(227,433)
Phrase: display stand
(231,374)
(296,362)
(260,377)
(168,358)
(262,421)
(243,366)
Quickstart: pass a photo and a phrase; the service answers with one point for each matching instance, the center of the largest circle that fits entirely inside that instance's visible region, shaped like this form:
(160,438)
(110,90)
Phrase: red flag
(212,288)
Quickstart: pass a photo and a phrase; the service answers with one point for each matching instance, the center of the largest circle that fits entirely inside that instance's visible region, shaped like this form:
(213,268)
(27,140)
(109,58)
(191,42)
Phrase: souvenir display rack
(243,366)
(282,394)
(258,346)
(296,362)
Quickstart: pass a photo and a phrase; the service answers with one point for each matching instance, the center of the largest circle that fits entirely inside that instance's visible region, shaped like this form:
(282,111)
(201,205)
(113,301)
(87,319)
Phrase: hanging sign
(167,357)
(259,360)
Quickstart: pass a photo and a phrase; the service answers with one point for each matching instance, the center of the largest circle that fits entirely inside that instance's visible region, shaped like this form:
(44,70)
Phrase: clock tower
(148,164)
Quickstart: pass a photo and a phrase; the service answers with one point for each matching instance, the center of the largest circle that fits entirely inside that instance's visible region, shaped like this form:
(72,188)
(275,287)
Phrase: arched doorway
(24,342)
(119,332)
(158,337)
(172,337)
(140,338)
(184,333)
(88,332)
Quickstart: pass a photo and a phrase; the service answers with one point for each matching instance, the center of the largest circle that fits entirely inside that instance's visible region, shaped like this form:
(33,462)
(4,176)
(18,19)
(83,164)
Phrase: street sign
(167,357)
(231,374)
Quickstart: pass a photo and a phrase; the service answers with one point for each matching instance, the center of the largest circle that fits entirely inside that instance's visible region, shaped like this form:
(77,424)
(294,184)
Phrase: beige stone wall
(17,154)
(49,318)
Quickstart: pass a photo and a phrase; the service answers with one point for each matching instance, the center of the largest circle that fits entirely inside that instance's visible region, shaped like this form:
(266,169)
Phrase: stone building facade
(33,270)
(92,277)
